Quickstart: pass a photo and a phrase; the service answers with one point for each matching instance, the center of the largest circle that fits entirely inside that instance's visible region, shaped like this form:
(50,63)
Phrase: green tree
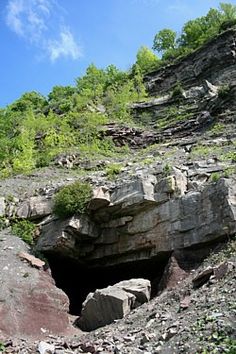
(61,99)
(146,60)
(196,32)
(228,11)
(164,40)
(137,78)
(29,101)
(92,83)
(24,153)
(114,77)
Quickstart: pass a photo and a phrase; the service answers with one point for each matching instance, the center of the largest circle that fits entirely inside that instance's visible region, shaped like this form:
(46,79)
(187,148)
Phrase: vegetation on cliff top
(34,129)
(194,32)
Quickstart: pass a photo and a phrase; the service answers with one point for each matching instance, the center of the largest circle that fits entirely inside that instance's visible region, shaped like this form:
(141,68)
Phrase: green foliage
(35,129)
(228,11)
(29,101)
(164,40)
(113,169)
(224,91)
(137,80)
(3,223)
(146,60)
(24,229)
(177,91)
(198,31)
(171,115)
(72,199)
(167,170)
(230,171)
(230,156)
(227,24)
(195,32)
(215,176)
(218,128)
(61,99)
(2,347)
(92,83)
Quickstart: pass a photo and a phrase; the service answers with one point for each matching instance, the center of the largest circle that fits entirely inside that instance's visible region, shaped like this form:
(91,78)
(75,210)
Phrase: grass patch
(113,170)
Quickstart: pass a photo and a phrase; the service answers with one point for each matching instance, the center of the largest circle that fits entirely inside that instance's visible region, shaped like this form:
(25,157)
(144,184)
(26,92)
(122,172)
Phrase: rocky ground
(198,316)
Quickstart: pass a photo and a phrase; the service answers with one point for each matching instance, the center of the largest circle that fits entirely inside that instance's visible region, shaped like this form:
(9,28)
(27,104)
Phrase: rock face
(165,210)
(114,302)
(146,218)
(30,303)
(214,62)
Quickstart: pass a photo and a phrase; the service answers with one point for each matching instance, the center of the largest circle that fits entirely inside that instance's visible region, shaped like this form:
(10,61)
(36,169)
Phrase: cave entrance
(77,280)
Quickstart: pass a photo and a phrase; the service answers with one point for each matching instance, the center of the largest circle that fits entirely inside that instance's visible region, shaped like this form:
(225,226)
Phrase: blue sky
(51,42)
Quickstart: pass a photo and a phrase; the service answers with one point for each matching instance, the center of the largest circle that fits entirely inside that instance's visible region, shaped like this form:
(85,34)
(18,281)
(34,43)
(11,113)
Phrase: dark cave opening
(77,279)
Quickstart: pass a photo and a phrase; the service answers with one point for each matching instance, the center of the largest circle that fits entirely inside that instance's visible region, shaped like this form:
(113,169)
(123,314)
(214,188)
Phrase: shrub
(72,199)
(215,176)
(218,128)
(3,223)
(227,24)
(2,347)
(177,91)
(113,170)
(167,170)
(24,229)
(223,91)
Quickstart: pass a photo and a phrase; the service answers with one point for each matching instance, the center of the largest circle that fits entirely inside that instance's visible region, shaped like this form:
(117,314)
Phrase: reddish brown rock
(173,274)
(30,303)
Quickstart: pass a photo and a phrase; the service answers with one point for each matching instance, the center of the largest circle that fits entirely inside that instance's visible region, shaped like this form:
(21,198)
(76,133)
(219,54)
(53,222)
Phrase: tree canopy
(146,60)
(164,39)
(195,32)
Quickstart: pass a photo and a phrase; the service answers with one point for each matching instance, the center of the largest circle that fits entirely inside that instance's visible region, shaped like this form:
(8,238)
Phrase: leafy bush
(2,347)
(227,24)
(167,170)
(218,128)
(3,223)
(177,91)
(113,170)
(215,176)
(72,199)
(24,229)
(223,91)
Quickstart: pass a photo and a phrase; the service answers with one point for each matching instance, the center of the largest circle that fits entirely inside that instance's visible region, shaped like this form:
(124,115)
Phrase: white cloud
(146,2)
(65,46)
(28,18)
(14,10)
(180,7)
(38,22)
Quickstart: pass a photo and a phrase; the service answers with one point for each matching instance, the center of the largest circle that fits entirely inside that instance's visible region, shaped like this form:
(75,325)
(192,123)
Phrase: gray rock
(100,199)
(35,208)
(2,206)
(136,192)
(45,348)
(143,228)
(114,302)
(104,306)
(218,53)
(141,288)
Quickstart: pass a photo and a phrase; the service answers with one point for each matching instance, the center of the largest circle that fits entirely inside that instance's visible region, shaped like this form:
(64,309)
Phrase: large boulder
(145,218)
(114,302)
(34,208)
(30,303)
